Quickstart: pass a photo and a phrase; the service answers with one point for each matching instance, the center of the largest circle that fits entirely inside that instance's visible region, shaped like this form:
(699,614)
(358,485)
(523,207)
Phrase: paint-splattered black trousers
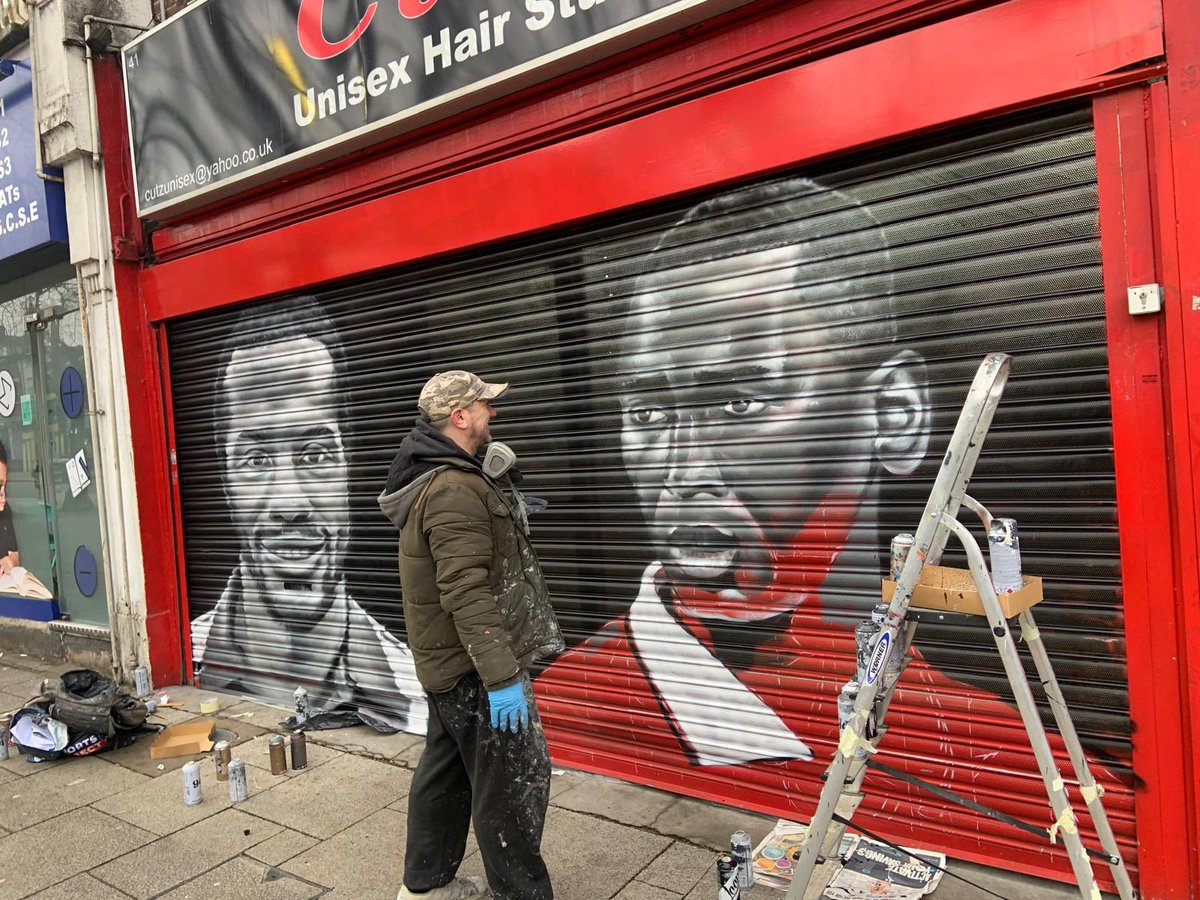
(499,779)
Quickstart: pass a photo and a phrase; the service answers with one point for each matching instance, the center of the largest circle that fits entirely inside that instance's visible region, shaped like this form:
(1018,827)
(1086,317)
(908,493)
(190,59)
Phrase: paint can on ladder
(1004,548)
(902,545)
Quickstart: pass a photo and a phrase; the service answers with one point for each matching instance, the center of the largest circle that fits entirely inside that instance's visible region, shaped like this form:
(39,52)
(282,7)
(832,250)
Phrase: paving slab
(53,851)
(137,755)
(245,879)
(10,702)
(561,781)
(709,824)
(16,764)
(256,753)
(157,804)
(13,675)
(366,741)
(680,868)
(1006,884)
(277,850)
(590,859)
(261,714)
(629,804)
(412,755)
(27,801)
(323,801)
(177,858)
(363,862)
(639,890)
(169,716)
(23,684)
(81,887)
(191,697)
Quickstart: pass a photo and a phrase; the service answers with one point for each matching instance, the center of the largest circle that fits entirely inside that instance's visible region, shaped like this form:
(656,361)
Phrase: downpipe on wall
(127,638)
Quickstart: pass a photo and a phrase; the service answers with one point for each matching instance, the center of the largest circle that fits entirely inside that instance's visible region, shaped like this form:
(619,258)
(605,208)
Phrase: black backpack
(90,703)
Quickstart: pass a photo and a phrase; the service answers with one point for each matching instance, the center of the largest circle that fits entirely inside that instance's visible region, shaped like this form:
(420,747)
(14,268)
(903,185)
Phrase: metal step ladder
(817,861)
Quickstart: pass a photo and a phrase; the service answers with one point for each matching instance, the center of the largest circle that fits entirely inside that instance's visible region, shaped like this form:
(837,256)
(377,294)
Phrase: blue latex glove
(510,711)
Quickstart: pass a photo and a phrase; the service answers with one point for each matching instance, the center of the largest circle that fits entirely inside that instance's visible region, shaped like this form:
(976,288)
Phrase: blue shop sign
(33,212)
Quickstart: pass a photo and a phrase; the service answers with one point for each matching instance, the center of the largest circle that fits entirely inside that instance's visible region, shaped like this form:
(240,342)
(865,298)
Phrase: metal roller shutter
(731,406)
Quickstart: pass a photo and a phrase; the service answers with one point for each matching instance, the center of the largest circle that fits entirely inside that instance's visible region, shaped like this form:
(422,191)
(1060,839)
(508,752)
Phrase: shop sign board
(229,94)
(32,209)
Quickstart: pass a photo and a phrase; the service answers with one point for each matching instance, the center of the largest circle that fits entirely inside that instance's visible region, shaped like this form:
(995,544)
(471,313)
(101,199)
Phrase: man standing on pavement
(478,615)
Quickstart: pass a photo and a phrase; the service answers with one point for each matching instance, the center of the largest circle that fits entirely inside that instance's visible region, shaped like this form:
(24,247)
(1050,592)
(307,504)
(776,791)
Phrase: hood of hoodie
(423,453)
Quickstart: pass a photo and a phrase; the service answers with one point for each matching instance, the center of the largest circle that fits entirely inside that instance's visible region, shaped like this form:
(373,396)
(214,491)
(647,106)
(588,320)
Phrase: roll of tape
(209,706)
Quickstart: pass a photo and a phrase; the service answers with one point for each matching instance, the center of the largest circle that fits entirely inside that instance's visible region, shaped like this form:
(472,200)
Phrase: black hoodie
(422,450)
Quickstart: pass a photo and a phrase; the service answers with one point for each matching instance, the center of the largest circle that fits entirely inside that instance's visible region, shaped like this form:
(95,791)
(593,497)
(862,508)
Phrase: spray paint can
(864,643)
(1004,547)
(141,681)
(299,750)
(728,887)
(191,784)
(879,615)
(222,753)
(278,755)
(5,721)
(238,789)
(739,849)
(902,544)
(301,697)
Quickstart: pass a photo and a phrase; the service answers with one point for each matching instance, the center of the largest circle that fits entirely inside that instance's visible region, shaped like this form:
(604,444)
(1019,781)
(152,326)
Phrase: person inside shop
(479,616)
(286,618)
(769,408)
(10,555)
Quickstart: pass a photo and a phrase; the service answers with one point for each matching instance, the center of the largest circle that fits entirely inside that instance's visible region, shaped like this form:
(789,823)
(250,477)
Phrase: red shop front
(739,268)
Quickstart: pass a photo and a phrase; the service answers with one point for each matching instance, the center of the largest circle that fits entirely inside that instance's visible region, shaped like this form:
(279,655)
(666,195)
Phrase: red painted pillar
(1180,108)
(144,385)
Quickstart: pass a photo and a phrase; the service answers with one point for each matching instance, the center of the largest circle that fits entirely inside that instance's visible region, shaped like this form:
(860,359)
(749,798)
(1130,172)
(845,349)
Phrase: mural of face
(752,442)
(287,473)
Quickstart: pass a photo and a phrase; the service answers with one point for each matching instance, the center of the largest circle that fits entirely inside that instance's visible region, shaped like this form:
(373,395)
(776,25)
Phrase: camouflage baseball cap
(448,391)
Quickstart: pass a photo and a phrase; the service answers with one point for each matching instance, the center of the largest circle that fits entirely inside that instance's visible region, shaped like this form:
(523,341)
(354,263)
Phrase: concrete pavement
(115,825)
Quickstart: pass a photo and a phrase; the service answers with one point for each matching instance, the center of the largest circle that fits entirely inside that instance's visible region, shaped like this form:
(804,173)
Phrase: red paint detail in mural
(799,568)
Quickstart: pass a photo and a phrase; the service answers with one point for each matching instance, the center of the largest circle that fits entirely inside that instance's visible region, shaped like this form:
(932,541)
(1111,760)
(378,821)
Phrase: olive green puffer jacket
(474,594)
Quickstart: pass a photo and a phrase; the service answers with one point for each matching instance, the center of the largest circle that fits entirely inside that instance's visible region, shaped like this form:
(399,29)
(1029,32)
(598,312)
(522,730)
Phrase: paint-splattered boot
(458,889)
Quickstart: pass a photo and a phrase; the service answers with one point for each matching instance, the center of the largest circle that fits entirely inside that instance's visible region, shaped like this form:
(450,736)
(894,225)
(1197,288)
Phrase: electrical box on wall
(1145,298)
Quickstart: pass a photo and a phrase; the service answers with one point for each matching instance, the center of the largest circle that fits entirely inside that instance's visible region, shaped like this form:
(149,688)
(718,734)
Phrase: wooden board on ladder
(817,861)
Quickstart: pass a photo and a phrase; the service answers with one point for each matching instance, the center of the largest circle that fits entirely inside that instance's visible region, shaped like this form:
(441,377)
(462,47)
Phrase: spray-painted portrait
(285,618)
(731,403)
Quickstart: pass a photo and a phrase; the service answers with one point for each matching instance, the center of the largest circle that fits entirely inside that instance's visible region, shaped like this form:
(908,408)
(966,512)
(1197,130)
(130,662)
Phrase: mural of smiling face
(758,412)
(286,473)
